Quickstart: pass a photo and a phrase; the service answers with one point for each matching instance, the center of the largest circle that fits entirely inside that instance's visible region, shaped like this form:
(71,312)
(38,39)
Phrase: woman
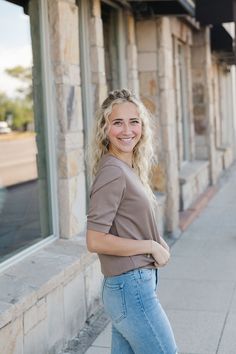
(121,227)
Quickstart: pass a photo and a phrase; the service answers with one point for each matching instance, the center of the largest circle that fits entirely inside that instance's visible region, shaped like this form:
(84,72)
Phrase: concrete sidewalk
(198,287)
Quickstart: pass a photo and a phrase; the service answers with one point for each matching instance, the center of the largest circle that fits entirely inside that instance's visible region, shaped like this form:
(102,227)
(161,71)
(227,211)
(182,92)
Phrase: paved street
(17,161)
(198,287)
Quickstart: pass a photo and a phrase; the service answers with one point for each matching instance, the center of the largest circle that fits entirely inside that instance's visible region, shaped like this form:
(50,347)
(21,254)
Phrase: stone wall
(64,47)
(97,59)
(203,99)
(46,299)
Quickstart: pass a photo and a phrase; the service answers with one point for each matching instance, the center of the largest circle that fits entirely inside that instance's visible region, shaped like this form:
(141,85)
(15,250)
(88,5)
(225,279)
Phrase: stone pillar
(64,46)
(154,43)
(203,99)
(168,123)
(132,59)
(97,55)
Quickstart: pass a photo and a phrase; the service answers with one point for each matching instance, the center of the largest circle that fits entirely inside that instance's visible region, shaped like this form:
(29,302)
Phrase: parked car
(4,128)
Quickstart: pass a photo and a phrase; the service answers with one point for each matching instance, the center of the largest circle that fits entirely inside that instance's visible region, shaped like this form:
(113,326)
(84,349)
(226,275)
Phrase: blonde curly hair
(143,153)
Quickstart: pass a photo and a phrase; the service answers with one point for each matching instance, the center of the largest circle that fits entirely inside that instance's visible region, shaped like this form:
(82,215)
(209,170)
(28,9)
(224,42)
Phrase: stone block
(72,205)
(96,8)
(64,41)
(147,61)
(70,163)
(180,30)
(74,306)
(68,32)
(34,315)
(70,141)
(16,291)
(55,319)
(131,29)
(132,57)
(93,282)
(49,268)
(164,33)
(146,36)
(165,63)
(96,32)
(150,103)
(68,74)
(227,158)
(198,57)
(6,311)
(169,138)
(97,59)
(69,110)
(158,178)
(148,83)
(133,75)
(36,340)
(98,78)
(11,338)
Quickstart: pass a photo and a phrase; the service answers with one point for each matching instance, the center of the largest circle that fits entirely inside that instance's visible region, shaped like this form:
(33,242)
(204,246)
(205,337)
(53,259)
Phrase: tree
(24,75)
(21,107)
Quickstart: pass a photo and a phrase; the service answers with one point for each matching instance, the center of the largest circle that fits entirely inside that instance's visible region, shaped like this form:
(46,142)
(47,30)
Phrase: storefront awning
(163,7)
(214,11)
(222,44)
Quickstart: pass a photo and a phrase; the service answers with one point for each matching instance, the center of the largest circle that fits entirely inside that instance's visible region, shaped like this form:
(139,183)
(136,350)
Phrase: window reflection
(24,202)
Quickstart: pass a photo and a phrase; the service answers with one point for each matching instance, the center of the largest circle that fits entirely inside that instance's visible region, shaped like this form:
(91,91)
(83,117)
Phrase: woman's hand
(160,254)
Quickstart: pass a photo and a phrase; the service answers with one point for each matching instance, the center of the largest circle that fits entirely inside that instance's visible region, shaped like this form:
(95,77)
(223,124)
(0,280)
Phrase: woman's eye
(117,124)
(135,122)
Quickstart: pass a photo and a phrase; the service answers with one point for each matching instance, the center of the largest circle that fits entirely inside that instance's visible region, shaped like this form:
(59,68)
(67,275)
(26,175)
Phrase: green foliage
(21,108)
(24,75)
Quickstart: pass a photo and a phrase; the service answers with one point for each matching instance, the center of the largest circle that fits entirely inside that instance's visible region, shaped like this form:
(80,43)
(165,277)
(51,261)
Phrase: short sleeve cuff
(98,227)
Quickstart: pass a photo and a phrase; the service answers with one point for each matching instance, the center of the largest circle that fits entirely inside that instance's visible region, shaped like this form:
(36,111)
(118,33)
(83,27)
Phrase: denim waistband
(137,273)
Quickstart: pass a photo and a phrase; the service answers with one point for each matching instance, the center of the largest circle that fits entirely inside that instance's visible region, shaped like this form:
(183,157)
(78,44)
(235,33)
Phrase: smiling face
(124,130)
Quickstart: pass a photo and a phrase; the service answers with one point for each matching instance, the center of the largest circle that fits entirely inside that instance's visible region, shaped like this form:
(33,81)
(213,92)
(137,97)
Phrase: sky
(15,43)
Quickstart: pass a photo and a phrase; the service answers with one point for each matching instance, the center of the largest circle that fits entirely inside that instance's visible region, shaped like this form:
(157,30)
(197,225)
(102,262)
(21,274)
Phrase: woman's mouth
(126,140)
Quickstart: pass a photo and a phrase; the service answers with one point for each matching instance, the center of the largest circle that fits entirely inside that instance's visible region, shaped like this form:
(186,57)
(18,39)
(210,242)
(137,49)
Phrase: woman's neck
(127,158)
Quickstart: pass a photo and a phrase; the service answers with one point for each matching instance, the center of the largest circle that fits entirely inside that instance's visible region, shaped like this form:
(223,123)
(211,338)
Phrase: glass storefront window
(25,212)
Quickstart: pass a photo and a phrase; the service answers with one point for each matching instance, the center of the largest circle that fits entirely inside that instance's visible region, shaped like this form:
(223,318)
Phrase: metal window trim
(86,89)
(49,112)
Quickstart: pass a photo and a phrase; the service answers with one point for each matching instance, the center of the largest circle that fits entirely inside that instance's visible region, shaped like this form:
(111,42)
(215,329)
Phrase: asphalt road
(17,161)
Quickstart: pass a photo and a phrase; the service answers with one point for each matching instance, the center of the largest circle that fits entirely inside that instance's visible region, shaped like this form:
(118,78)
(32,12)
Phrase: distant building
(180,59)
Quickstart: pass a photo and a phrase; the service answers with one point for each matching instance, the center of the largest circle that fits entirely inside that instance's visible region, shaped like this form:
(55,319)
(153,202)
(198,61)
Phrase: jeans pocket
(146,274)
(114,301)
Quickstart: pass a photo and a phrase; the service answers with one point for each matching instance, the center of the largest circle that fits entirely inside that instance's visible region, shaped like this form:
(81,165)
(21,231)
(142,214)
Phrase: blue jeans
(139,323)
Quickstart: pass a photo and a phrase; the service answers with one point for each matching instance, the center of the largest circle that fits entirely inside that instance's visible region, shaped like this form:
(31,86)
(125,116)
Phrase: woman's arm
(164,244)
(102,243)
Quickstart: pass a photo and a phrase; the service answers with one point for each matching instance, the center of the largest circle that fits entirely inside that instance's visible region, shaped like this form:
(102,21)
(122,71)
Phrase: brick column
(203,99)
(64,46)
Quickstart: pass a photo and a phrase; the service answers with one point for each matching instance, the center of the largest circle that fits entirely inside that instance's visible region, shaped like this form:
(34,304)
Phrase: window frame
(50,141)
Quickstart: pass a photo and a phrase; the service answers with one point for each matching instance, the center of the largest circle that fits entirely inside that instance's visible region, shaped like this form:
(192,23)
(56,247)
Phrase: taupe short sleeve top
(119,205)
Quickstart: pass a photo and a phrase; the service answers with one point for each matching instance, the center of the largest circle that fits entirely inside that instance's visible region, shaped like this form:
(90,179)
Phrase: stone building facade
(81,50)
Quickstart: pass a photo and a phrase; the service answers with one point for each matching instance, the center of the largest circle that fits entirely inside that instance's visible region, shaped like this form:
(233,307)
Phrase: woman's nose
(126,128)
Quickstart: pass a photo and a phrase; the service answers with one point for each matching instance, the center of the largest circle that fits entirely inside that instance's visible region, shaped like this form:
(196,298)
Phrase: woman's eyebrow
(120,119)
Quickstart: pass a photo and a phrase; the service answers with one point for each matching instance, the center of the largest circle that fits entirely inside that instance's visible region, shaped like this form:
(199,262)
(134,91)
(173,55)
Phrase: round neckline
(117,158)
